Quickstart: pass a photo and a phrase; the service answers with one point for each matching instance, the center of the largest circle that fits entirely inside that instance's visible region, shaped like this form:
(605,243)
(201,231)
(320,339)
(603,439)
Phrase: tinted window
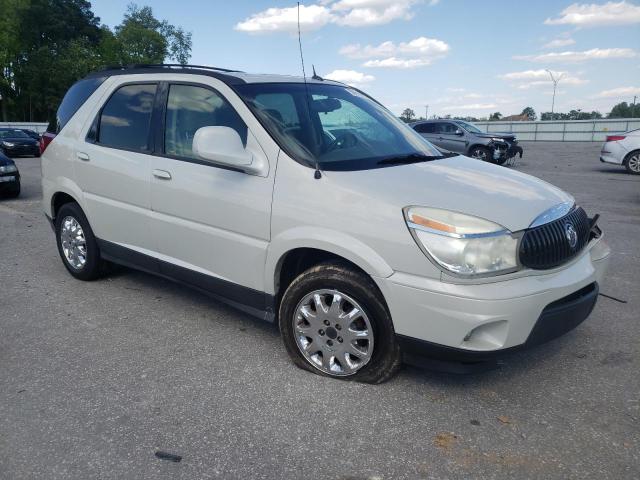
(13,134)
(125,119)
(425,128)
(190,108)
(73,100)
(446,128)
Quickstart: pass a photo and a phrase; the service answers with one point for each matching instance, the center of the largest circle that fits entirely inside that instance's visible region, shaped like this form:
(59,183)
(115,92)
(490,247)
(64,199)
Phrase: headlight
(8,144)
(8,168)
(463,244)
(501,140)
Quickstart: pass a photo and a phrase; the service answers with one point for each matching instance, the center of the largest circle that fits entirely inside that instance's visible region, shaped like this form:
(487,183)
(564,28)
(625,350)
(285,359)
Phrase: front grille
(549,245)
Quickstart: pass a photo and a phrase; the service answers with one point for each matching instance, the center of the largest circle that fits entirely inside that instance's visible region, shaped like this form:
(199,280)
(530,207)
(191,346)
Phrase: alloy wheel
(333,332)
(74,243)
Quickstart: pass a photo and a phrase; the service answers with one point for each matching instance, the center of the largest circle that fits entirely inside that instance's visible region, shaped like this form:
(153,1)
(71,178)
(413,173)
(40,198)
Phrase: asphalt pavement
(95,378)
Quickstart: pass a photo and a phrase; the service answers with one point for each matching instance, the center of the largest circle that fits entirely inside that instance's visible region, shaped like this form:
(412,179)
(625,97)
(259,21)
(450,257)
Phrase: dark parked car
(9,177)
(467,139)
(14,143)
(33,134)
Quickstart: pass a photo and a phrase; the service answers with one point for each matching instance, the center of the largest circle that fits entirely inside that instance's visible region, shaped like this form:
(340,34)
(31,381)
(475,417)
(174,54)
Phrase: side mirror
(459,132)
(221,145)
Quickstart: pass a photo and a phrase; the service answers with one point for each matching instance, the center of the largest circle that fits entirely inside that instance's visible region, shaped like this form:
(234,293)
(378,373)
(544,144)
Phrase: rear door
(428,131)
(113,167)
(212,223)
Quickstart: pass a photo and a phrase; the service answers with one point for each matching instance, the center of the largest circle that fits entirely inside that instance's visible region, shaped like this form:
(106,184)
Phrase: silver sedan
(623,149)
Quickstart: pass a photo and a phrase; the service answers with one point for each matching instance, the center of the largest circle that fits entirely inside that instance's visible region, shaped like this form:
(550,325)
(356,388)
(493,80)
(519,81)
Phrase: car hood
(20,141)
(509,198)
(4,160)
(506,136)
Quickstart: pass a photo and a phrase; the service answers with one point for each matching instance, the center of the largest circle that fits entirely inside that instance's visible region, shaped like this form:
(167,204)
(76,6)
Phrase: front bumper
(21,150)
(9,181)
(479,321)
(505,150)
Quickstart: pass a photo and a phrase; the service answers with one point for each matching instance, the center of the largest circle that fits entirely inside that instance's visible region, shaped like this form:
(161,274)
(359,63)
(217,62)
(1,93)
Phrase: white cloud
(350,77)
(359,13)
(352,13)
(312,17)
(559,42)
(393,62)
(619,92)
(594,15)
(574,57)
(418,52)
(469,107)
(421,46)
(533,78)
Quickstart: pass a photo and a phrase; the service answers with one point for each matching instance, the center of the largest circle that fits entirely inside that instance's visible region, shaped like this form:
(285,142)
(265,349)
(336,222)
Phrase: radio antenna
(317,175)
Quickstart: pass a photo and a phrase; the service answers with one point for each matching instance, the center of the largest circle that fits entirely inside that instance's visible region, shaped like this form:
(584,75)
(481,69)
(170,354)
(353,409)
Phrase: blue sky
(461,57)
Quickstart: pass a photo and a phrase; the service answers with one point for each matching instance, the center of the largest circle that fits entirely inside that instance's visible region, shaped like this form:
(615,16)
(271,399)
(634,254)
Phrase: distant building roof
(515,118)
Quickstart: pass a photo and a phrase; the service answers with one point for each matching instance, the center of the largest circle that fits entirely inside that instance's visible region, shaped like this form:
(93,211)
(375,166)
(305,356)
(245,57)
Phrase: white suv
(310,205)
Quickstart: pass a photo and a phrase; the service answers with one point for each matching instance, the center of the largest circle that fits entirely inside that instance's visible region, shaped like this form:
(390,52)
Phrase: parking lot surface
(96,377)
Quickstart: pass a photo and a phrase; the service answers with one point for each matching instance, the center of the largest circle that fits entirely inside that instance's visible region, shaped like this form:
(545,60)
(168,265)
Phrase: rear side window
(125,119)
(190,108)
(72,101)
(425,128)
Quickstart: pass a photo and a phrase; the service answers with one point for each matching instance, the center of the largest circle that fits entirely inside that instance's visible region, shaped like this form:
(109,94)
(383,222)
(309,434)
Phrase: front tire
(334,323)
(481,153)
(632,162)
(77,245)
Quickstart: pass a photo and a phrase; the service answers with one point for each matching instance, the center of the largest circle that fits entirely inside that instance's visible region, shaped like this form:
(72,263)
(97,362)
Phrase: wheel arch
(290,254)
(59,199)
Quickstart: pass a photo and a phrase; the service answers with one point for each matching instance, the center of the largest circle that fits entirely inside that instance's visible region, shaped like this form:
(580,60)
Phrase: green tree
(407,115)
(141,38)
(625,110)
(495,116)
(46,45)
(530,113)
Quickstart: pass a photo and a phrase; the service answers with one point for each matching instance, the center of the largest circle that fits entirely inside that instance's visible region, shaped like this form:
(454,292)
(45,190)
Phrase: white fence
(35,126)
(563,130)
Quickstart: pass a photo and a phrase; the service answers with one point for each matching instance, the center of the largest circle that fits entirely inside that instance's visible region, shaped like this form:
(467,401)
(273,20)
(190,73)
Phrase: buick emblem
(571,234)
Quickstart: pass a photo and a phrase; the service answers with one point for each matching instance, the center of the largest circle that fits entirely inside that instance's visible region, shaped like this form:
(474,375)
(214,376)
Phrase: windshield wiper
(414,158)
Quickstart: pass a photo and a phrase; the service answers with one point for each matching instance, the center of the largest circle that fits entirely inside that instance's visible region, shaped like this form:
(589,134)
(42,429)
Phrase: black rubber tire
(386,358)
(626,162)
(94,267)
(501,160)
(488,156)
(15,192)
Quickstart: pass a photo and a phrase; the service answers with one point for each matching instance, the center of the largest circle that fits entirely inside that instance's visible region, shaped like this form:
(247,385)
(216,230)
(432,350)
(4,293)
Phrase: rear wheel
(76,243)
(481,153)
(632,162)
(334,323)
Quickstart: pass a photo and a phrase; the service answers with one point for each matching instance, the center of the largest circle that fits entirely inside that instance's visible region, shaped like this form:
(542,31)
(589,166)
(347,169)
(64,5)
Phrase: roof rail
(223,74)
(167,66)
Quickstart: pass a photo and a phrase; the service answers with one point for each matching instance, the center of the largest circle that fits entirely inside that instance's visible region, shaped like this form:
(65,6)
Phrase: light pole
(426,112)
(555,84)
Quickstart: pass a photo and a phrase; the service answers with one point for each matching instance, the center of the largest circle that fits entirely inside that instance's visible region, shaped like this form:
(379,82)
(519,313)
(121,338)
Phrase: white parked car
(623,149)
(311,205)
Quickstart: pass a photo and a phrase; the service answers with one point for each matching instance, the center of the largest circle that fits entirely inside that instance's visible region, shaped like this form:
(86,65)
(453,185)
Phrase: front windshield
(335,126)
(469,127)
(13,134)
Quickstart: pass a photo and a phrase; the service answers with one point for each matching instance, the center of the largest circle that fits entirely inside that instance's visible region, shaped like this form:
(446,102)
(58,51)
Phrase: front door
(212,223)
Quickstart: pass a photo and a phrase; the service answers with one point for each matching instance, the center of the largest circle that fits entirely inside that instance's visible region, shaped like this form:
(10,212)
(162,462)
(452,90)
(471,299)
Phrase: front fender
(332,241)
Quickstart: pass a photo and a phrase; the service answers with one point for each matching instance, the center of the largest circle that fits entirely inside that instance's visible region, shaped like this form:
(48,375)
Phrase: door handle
(83,156)
(162,174)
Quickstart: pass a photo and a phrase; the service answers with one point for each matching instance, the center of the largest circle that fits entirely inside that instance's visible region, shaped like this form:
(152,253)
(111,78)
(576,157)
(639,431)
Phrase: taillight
(615,138)
(45,140)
